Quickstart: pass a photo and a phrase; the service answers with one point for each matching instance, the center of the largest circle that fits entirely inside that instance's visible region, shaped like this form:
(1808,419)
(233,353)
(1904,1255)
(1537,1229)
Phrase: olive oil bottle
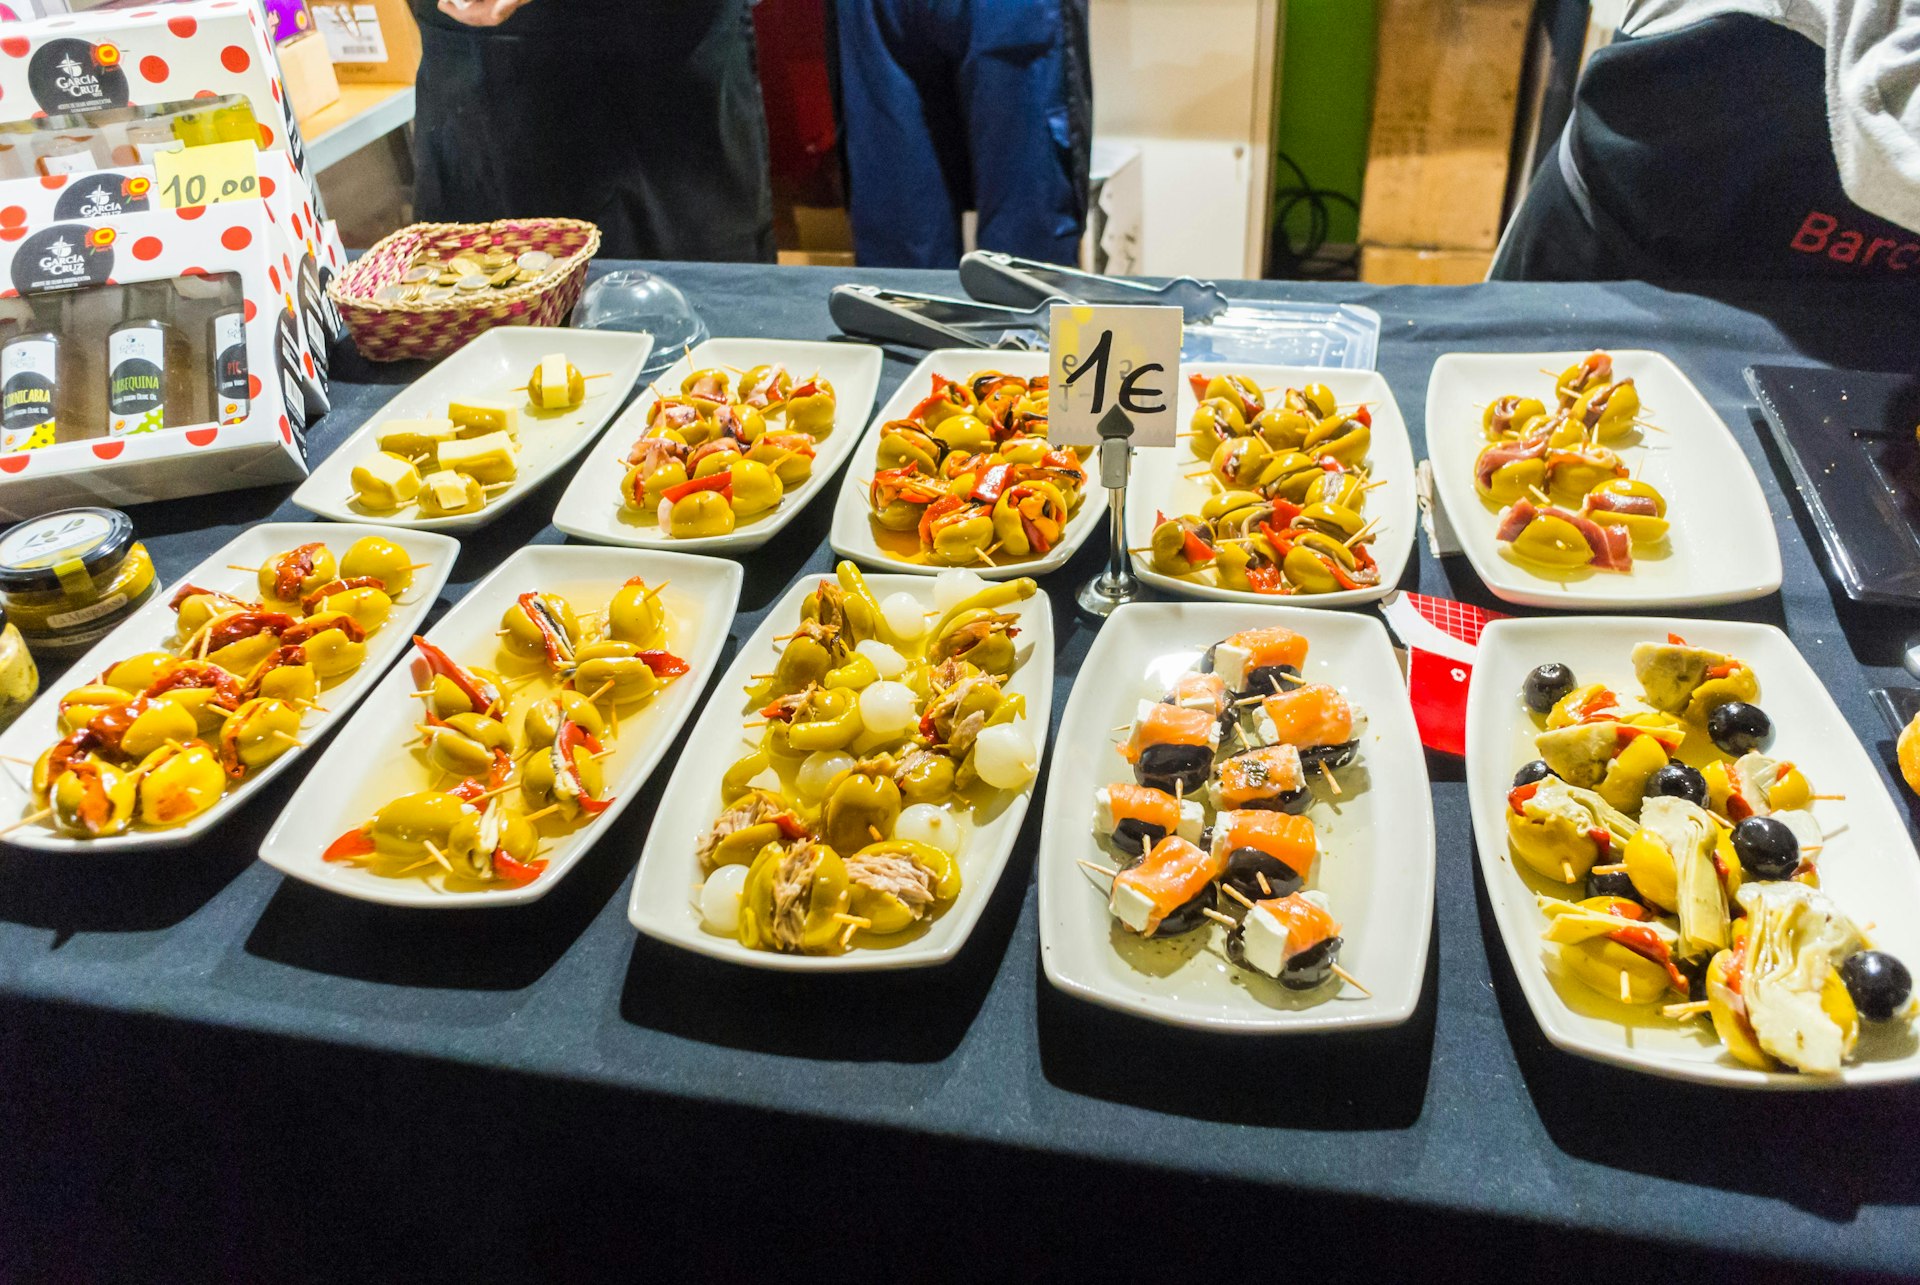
(149,367)
(30,358)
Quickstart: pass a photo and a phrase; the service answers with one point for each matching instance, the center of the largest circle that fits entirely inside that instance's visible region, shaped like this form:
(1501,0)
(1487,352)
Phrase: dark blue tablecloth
(204,1059)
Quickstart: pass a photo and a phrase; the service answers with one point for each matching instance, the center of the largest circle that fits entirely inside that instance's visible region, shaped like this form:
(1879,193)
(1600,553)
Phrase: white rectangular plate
(662,903)
(1722,547)
(592,509)
(493,368)
(1376,837)
(358,774)
(1160,485)
(152,629)
(852,534)
(1868,865)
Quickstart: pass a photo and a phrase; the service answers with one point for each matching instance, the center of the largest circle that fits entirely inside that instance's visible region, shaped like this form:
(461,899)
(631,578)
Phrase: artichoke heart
(1790,981)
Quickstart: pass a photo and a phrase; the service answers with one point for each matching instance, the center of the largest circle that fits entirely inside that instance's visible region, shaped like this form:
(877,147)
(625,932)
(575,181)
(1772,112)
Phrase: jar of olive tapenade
(19,678)
(67,578)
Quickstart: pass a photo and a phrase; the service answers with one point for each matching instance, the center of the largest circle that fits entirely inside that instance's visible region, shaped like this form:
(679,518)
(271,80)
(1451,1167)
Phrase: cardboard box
(61,264)
(1447,89)
(168,53)
(369,40)
(1392,265)
(307,72)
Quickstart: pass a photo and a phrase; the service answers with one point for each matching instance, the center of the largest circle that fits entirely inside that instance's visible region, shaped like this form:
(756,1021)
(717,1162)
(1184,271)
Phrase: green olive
(636,615)
(539,779)
(292,683)
(405,826)
(323,571)
(1336,520)
(93,799)
(704,513)
(476,836)
(368,606)
(1348,489)
(964,433)
(242,657)
(381,559)
(137,673)
(81,705)
(522,635)
(154,726)
(858,805)
(716,457)
(331,653)
(543,718)
(1282,427)
(755,488)
(1321,398)
(260,731)
(208,716)
(738,779)
(612,661)
(1226,502)
(928,779)
(177,785)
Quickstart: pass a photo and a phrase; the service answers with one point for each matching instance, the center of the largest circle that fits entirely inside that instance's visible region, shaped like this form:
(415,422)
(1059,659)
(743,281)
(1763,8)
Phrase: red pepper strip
(1676,640)
(1199,385)
(572,736)
(506,869)
(664,664)
(791,826)
(498,774)
(1198,551)
(721,482)
(292,567)
(551,641)
(992,482)
(1723,671)
(1645,943)
(242,625)
(480,695)
(95,809)
(1362,415)
(197,675)
(1036,542)
(354,843)
(187,591)
(938,509)
(808,389)
(307,630)
(1600,701)
(1520,794)
(1267,580)
(1601,840)
(1339,574)
(109,727)
(1285,511)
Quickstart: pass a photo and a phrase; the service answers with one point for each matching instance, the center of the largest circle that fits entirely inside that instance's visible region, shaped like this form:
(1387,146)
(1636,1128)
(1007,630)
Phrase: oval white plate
(1376,838)
(355,777)
(852,533)
(152,629)
(1159,484)
(1722,547)
(1868,866)
(493,368)
(591,508)
(662,905)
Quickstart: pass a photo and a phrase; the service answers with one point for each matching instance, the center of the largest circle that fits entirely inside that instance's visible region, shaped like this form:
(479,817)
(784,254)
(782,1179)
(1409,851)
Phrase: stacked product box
(149,352)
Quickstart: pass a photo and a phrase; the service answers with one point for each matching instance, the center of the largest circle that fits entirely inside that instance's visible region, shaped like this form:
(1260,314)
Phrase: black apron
(641,115)
(1703,154)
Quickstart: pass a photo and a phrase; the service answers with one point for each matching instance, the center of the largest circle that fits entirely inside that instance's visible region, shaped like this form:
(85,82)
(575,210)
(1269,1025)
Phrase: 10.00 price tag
(1108,357)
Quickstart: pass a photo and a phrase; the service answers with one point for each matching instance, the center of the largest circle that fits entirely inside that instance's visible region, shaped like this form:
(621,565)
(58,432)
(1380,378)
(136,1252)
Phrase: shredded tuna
(792,886)
(756,808)
(892,873)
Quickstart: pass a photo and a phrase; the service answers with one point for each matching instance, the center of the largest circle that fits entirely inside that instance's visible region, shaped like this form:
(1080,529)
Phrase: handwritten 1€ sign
(1105,357)
(208,174)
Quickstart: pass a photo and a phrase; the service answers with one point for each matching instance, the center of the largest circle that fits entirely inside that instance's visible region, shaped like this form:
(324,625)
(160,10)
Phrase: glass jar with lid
(68,578)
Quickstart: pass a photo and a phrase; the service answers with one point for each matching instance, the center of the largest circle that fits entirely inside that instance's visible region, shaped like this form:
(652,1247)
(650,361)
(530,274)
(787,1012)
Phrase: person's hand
(480,13)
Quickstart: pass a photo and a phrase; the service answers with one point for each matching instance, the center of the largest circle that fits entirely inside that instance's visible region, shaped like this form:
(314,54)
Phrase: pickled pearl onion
(951,588)
(1004,756)
(720,899)
(905,615)
(933,825)
(888,708)
(887,662)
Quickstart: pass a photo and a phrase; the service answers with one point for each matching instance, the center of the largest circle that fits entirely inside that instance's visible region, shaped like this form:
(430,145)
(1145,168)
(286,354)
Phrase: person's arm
(480,13)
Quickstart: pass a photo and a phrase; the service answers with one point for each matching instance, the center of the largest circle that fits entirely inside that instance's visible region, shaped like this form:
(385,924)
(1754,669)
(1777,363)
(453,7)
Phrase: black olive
(1294,801)
(1879,984)
(1246,866)
(1613,884)
(1236,948)
(1738,727)
(1269,680)
(1205,665)
(1767,848)
(1677,781)
(1545,685)
(1165,767)
(1312,966)
(1531,772)
(1135,836)
(1186,918)
(1332,755)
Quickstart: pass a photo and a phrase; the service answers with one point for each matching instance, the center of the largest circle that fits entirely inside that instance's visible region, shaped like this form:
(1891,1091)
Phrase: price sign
(1104,358)
(207,175)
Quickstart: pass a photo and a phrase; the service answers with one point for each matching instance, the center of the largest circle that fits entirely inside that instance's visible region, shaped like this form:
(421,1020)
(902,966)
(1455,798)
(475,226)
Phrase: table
(211,1065)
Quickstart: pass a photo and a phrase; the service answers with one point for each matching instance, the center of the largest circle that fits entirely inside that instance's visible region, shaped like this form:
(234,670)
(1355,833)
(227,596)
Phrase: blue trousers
(955,104)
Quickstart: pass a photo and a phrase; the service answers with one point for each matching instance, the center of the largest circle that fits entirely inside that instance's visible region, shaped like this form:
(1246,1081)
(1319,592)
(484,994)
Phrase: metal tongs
(1014,282)
(934,321)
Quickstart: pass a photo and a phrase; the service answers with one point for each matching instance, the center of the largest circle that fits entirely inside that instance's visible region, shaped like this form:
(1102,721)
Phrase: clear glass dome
(637,300)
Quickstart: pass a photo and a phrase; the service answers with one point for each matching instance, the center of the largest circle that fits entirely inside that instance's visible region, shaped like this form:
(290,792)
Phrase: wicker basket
(413,330)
